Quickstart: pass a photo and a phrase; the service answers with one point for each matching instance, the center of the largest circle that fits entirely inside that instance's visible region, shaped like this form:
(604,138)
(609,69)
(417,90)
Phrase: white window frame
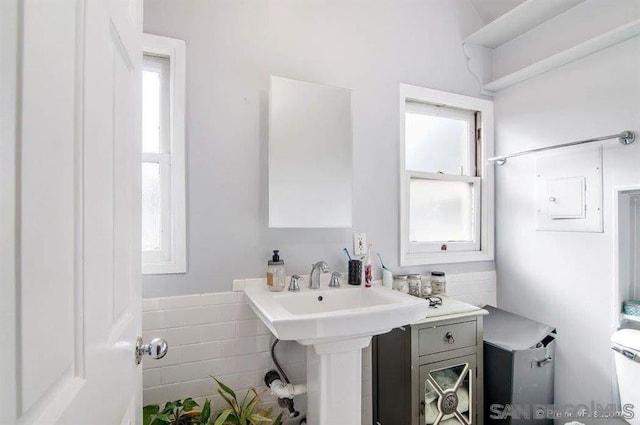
(414,254)
(172,258)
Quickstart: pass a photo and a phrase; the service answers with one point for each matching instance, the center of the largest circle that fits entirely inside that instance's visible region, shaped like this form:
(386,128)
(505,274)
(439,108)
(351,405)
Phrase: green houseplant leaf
(257,419)
(245,412)
(226,389)
(206,413)
(148,413)
(223,417)
(189,404)
(278,419)
(230,401)
(170,406)
(161,419)
(177,412)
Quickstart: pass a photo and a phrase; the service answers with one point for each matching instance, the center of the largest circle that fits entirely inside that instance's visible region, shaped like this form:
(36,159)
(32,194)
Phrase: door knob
(157,349)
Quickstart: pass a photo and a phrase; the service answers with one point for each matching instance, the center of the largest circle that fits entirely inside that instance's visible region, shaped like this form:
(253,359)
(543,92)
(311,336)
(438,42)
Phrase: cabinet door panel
(447,392)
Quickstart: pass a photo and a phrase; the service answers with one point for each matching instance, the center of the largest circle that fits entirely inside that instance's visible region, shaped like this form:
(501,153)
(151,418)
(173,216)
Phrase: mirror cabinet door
(310,155)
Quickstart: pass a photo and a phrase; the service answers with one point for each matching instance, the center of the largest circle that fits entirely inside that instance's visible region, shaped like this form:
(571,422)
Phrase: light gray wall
(10,15)
(232,48)
(566,279)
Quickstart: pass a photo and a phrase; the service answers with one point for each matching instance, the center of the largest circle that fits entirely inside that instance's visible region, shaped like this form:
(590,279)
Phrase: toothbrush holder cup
(387,278)
(355,272)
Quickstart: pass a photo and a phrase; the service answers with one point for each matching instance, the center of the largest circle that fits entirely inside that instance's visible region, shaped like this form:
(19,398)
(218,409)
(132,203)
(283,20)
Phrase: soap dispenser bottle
(275,273)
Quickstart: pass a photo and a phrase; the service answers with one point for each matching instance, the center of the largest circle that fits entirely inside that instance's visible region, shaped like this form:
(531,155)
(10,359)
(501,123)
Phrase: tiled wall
(473,288)
(211,335)
(218,334)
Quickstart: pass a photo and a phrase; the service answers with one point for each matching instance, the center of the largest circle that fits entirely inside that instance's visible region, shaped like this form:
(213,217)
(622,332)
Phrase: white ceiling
(489,10)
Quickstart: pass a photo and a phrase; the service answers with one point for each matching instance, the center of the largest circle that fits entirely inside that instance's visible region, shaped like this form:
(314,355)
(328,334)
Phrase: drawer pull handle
(448,337)
(541,363)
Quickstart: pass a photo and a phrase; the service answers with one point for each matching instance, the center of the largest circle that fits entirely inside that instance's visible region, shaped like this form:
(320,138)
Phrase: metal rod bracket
(627,137)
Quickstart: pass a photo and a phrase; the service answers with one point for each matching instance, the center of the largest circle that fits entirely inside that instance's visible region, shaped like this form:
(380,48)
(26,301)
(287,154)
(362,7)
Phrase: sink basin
(331,301)
(329,313)
(335,324)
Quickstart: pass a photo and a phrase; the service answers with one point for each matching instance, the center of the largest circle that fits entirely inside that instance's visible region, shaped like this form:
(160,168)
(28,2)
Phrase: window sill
(424,258)
(164,268)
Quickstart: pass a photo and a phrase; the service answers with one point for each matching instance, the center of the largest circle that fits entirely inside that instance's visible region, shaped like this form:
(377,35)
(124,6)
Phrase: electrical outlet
(359,243)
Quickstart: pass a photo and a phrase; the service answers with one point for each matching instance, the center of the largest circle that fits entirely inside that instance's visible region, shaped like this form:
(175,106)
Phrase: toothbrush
(380,259)
(346,251)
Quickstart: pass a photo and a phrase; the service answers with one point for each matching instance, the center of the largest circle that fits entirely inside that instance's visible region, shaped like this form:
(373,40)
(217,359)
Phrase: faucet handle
(335,282)
(293,284)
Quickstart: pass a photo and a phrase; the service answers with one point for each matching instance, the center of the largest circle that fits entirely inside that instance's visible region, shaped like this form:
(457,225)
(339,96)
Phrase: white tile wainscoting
(217,334)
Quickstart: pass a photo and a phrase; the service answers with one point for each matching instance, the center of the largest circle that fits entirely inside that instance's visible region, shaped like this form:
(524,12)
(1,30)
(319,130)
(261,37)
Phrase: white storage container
(626,344)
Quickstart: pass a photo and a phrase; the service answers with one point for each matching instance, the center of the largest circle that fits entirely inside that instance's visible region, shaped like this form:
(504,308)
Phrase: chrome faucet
(314,276)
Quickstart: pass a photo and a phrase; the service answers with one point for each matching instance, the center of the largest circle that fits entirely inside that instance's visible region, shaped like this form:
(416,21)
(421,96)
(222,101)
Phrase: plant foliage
(246,412)
(178,412)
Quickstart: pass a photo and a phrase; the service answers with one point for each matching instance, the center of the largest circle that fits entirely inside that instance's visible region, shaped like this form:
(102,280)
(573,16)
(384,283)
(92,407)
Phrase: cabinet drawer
(447,337)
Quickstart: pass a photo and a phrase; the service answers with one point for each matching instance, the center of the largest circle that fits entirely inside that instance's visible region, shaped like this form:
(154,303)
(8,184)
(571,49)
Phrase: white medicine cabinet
(310,155)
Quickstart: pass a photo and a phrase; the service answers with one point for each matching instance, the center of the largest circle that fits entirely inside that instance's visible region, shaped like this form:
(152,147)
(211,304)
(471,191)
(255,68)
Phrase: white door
(76,286)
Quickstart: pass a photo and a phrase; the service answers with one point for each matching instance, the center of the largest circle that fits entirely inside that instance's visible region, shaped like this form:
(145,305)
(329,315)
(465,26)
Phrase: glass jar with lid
(438,283)
(425,288)
(415,285)
(400,283)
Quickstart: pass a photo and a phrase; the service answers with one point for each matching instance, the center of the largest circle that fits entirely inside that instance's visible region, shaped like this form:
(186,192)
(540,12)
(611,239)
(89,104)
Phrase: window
(163,159)
(446,190)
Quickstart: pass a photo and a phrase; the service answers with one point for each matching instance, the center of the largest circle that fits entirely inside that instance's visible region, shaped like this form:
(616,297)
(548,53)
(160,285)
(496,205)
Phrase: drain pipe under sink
(285,391)
(280,389)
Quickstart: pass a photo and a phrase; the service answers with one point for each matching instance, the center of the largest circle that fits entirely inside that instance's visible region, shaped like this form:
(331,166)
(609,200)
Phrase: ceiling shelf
(571,54)
(519,20)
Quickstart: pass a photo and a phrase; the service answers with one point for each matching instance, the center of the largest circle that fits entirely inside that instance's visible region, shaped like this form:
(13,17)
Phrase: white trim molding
(484,173)
(175,258)
(626,238)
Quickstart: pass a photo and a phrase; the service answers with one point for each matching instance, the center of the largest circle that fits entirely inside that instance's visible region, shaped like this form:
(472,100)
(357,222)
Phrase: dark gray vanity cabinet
(429,373)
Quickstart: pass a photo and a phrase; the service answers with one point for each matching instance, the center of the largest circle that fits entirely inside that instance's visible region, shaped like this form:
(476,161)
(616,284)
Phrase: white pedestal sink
(335,324)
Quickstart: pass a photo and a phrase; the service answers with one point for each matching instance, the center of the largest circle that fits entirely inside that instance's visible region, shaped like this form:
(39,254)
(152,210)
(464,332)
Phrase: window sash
(171,258)
(162,65)
(449,112)
(436,246)
(484,144)
(414,247)
(164,254)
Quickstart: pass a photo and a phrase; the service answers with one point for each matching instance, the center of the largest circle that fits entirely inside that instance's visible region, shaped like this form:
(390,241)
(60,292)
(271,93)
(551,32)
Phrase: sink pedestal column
(334,381)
